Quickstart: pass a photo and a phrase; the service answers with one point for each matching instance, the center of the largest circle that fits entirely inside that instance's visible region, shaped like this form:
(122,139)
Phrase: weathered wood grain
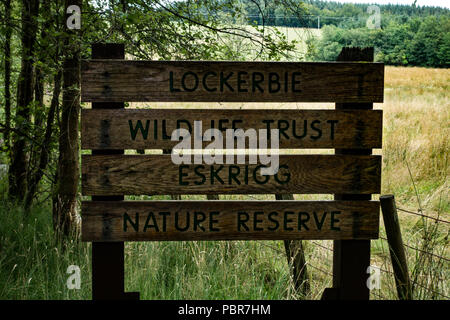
(351,258)
(229,220)
(156,174)
(213,81)
(152,128)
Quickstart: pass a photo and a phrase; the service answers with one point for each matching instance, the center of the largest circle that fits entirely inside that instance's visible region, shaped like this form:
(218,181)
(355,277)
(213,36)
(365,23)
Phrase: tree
(48,64)
(65,216)
(425,47)
(8,34)
(174,30)
(444,51)
(19,167)
(392,44)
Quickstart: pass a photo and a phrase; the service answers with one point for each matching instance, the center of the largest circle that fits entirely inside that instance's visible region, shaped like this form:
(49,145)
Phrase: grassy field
(415,168)
(246,49)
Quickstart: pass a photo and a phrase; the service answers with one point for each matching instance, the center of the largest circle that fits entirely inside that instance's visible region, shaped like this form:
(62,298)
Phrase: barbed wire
(320,269)
(378,295)
(322,246)
(308,264)
(423,251)
(423,215)
(430,290)
(392,273)
(306,15)
(381,269)
(272,247)
(416,283)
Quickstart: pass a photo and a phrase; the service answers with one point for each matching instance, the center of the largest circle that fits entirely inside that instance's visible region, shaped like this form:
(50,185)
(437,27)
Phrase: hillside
(406,35)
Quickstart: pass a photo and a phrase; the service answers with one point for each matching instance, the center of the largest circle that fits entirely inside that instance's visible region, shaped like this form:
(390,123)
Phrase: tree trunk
(45,151)
(18,168)
(38,113)
(39,98)
(65,216)
(38,121)
(8,33)
(43,59)
(40,154)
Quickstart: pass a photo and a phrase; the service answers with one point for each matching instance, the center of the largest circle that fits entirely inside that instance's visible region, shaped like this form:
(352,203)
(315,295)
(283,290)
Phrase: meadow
(415,169)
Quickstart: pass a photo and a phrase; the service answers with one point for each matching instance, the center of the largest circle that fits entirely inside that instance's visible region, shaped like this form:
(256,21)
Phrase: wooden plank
(152,128)
(156,174)
(214,81)
(229,220)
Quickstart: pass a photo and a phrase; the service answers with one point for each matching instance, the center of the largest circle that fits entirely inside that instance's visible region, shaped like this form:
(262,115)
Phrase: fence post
(396,249)
(351,258)
(108,257)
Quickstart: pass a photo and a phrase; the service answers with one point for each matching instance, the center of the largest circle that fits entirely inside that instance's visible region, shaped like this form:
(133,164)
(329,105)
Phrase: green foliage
(428,46)
(409,35)
(417,43)
(183,30)
(305,14)
(334,38)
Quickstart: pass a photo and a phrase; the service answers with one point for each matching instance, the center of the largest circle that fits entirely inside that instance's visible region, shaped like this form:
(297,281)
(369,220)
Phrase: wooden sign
(229,220)
(156,174)
(108,130)
(352,174)
(152,128)
(213,81)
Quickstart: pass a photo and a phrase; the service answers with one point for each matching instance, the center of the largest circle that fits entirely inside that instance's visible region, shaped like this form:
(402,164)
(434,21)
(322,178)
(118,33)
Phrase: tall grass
(207,270)
(33,264)
(417,134)
(416,145)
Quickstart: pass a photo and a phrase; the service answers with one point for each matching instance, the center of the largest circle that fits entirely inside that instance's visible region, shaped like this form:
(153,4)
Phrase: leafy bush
(417,42)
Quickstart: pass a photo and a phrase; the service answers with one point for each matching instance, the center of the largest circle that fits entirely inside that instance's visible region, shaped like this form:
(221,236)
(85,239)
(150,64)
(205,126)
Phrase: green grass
(32,263)
(206,270)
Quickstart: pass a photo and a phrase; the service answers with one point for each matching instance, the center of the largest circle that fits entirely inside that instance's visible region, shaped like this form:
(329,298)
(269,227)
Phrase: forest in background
(408,35)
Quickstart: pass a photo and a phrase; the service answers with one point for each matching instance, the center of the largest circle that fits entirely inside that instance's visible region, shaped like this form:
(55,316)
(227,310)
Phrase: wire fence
(423,215)
(422,251)
(388,272)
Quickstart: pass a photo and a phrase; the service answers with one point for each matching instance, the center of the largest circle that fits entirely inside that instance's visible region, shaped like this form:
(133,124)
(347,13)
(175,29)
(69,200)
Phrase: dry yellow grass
(416,134)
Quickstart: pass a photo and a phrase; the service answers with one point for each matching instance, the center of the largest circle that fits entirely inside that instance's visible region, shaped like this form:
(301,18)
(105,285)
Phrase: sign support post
(108,257)
(351,258)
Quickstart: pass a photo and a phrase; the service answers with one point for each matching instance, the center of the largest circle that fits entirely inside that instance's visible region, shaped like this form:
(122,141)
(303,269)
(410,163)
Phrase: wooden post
(351,258)
(108,257)
(296,258)
(396,249)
